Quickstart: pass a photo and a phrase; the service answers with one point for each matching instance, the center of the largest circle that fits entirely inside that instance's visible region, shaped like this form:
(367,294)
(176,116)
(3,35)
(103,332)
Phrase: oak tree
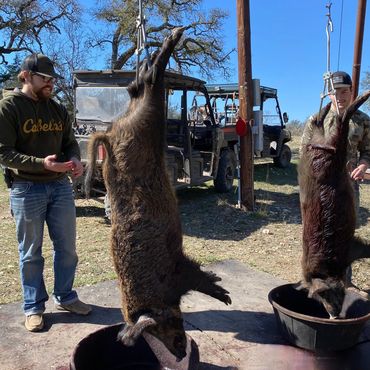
(202,48)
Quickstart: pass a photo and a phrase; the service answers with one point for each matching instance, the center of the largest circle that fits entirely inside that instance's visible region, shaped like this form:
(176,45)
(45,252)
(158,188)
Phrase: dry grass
(214,229)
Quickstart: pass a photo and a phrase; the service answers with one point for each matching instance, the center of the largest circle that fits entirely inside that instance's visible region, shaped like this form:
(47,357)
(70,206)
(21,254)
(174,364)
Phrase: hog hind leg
(160,60)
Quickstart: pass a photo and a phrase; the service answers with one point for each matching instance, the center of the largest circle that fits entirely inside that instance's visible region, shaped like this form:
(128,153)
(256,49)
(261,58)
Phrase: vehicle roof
(231,88)
(114,77)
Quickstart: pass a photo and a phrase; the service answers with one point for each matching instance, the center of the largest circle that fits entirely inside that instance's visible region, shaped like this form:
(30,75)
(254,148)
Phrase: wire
(329,29)
(340,34)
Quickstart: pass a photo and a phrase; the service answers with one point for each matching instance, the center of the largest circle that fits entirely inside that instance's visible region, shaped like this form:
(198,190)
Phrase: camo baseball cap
(41,64)
(341,79)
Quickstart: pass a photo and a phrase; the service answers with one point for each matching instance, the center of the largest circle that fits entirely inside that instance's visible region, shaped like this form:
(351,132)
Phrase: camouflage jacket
(358,136)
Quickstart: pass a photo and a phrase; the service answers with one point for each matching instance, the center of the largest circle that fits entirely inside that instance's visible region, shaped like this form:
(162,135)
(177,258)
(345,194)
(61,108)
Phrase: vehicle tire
(226,172)
(283,160)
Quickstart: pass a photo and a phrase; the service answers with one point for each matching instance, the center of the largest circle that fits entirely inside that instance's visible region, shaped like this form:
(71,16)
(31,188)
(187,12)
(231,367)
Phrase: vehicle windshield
(270,113)
(101,103)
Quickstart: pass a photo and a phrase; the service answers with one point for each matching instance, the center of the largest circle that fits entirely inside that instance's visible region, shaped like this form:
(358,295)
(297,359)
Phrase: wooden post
(245,104)
(360,24)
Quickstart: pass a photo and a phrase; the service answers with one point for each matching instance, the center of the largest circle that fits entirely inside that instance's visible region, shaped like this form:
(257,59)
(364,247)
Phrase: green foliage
(8,75)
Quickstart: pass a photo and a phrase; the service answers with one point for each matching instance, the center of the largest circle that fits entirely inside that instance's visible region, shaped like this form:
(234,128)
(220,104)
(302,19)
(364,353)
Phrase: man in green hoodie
(38,147)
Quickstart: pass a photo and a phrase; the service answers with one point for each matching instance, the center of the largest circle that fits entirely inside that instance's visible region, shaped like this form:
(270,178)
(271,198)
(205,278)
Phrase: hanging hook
(328,76)
(141,39)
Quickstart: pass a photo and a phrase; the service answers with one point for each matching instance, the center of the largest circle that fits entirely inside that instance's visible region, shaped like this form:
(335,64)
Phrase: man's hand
(77,167)
(51,164)
(359,172)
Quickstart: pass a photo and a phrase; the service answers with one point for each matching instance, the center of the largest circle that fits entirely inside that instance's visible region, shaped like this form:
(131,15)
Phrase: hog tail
(92,150)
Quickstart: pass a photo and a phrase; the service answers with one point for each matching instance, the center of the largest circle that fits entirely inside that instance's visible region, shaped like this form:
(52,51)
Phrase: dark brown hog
(328,213)
(146,237)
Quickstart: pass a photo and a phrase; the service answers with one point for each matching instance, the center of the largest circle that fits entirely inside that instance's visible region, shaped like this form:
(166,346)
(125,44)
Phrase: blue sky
(289,46)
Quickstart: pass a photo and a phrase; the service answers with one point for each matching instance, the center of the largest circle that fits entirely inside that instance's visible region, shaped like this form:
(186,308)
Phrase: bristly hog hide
(146,236)
(328,212)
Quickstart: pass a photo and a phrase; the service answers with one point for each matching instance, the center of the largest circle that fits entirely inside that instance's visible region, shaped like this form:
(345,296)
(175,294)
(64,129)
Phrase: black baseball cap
(341,79)
(41,64)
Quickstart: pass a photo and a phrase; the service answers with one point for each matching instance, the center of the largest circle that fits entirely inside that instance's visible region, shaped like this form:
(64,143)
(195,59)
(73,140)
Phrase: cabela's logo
(31,126)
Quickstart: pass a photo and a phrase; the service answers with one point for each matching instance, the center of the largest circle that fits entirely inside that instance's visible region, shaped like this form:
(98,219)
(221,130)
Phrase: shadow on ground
(205,366)
(99,316)
(247,326)
(266,172)
(206,214)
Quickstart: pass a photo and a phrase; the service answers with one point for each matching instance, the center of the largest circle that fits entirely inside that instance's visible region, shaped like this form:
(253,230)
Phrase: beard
(43,93)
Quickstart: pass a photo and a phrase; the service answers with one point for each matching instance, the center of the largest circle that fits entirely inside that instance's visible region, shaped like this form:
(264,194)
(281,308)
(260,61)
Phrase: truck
(200,147)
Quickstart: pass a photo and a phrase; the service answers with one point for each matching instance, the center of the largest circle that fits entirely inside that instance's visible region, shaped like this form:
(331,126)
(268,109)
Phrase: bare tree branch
(203,48)
(23,23)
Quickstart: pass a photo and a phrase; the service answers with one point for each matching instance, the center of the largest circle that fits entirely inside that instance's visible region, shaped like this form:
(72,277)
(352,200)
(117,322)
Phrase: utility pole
(361,11)
(245,104)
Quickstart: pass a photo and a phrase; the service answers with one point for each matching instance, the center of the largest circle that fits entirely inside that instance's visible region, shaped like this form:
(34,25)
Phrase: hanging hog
(328,213)
(146,237)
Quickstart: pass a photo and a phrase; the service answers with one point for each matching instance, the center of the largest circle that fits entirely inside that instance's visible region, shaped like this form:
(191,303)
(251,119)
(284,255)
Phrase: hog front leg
(359,248)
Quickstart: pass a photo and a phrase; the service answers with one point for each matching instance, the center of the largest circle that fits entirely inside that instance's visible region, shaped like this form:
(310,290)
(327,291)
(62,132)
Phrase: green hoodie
(31,130)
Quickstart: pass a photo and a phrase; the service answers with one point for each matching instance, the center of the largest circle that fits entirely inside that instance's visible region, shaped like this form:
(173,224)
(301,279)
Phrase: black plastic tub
(304,322)
(100,350)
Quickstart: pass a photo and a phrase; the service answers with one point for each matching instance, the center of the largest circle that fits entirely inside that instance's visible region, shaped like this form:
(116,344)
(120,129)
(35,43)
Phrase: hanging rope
(328,76)
(340,34)
(141,39)
(329,29)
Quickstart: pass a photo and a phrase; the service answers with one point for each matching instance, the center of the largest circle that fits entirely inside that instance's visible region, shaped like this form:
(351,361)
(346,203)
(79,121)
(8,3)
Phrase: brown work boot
(76,307)
(34,322)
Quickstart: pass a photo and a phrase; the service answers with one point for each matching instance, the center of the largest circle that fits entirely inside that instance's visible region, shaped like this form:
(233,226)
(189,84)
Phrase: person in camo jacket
(358,137)
(38,148)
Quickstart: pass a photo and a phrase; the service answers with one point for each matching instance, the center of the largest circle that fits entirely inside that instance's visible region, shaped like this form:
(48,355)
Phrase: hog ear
(318,119)
(356,104)
(317,286)
(130,333)
(301,285)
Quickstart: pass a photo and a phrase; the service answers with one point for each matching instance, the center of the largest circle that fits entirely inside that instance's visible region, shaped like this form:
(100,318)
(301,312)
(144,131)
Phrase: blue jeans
(356,193)
(32,205)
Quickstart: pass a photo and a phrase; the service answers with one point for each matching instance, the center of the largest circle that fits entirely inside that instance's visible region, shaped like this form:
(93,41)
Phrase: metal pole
(246,104)
(361,11)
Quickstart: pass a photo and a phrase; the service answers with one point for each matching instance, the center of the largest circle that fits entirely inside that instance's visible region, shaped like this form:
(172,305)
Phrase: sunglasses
(46,79)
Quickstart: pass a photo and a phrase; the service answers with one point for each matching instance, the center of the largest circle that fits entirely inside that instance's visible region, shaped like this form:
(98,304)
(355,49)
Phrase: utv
(196,149)
(270,136)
